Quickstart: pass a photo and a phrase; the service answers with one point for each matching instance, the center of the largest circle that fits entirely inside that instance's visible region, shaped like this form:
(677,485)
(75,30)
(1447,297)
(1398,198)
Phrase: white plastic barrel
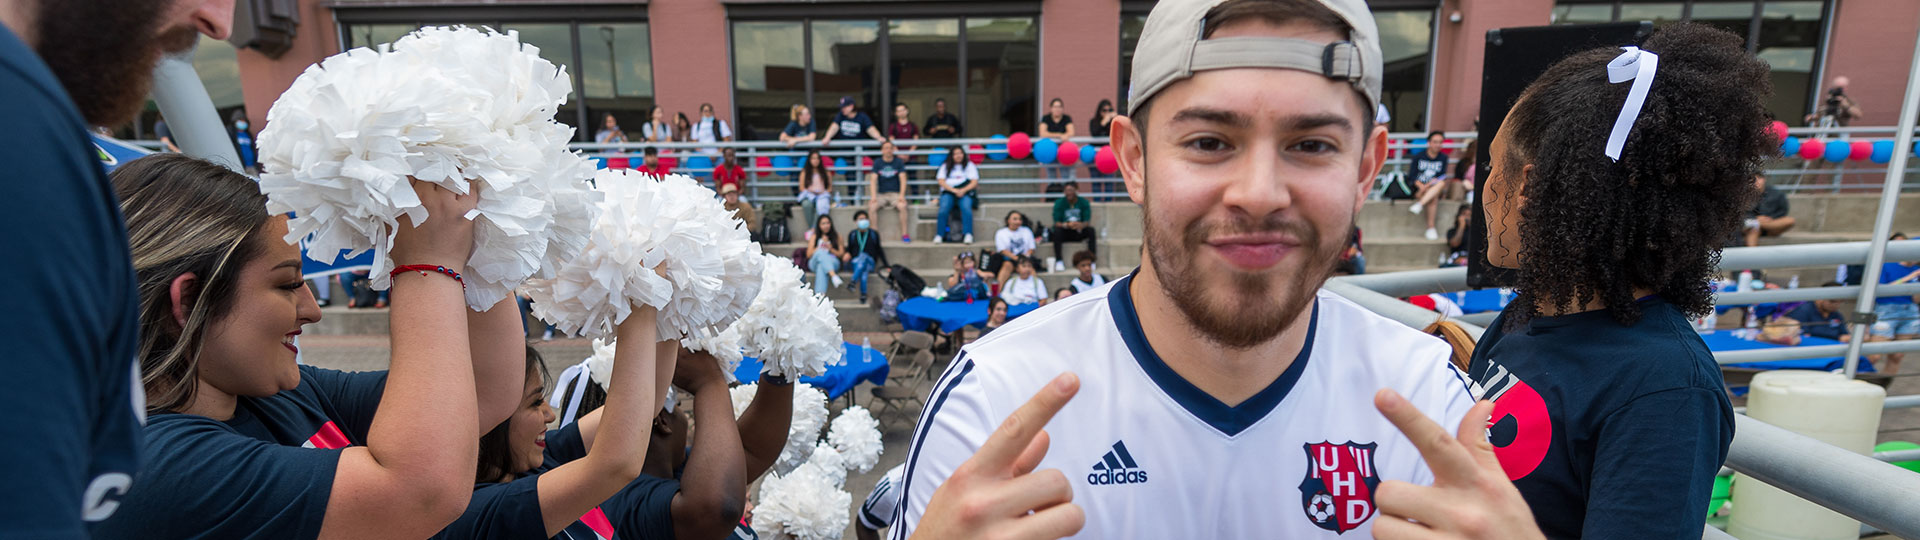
(1824,406)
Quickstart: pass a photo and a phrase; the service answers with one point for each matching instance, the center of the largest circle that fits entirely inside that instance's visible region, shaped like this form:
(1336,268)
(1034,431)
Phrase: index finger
(1019,429)
(1442,452)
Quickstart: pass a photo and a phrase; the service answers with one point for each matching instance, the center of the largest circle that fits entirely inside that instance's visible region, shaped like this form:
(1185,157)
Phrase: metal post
(1889,198)
(196,125)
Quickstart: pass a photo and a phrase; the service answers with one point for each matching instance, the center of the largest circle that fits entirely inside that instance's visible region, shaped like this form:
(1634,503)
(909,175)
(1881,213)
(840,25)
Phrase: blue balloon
(1046,151)
(599,163)
(1086,154)
(995,151)
(782,163)
(1837,151)
(839,163)
(1416,146)
(937,158)
(1916,148)
(1882,152)
(1791,146)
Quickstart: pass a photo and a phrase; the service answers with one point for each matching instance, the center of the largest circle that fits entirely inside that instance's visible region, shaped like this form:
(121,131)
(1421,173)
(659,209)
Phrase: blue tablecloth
(1727,341)
(862,364)
(916,313)
(1480,301)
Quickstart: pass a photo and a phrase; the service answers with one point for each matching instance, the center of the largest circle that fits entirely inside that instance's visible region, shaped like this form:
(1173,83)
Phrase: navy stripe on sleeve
(963,365)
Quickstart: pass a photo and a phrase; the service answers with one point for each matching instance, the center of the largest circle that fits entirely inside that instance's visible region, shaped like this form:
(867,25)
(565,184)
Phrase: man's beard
(103,52)
(1240,313)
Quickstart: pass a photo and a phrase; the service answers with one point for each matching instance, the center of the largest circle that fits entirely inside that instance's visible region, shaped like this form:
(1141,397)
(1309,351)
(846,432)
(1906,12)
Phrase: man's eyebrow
(1212,116)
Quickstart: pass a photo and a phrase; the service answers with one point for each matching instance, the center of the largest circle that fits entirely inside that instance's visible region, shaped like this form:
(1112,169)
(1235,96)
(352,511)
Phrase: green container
(1892,446)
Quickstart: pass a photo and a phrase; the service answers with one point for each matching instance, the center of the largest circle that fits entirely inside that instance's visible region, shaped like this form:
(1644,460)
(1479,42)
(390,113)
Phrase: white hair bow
(1632,65)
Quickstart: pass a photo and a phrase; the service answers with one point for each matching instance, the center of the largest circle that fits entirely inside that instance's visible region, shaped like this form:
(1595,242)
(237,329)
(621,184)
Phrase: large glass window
(369,35)
(922,67)
(1789,38)
(1003,76)
(615,74)
(769,75)
(1130,26)
(1406,44)
(845,55)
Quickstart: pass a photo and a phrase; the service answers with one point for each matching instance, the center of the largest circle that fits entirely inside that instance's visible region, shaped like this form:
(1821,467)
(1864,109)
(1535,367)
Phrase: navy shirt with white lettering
(69,316)
(265,473)
(853,127)
(511,510)
(888,172)
(1429,168)
(1609,430)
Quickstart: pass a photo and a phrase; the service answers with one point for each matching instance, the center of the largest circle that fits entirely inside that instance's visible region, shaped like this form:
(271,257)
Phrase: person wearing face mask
(710,129)
(863,244)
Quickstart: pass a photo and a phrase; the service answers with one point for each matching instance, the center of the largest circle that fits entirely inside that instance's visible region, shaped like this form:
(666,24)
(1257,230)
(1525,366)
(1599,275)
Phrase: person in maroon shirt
(903,129)
(729,171)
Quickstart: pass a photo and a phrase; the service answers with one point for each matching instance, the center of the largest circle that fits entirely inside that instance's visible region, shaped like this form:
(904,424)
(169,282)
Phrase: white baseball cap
(1172,48)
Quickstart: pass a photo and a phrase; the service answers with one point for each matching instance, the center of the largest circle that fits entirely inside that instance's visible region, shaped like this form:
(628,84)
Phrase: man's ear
(182,292)
(1130,150)
(1371,161)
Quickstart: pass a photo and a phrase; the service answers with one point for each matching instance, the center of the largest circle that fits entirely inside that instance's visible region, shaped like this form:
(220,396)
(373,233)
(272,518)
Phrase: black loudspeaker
(1515,57)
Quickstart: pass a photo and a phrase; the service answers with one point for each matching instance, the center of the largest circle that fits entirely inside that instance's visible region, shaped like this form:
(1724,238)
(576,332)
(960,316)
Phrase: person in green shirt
(1072,222)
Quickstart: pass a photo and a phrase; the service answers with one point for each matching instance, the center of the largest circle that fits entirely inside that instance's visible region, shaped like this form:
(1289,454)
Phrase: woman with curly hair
(1614,181)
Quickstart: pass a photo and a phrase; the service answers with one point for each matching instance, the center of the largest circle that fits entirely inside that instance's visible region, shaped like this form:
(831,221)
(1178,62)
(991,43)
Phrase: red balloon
(866,162)
(1779,130)
(1813,148)
(1069,153)
(1861,151)
(977,154)
(1019,146)
(765,164)
(1105,161)
(618,163)
(670,162)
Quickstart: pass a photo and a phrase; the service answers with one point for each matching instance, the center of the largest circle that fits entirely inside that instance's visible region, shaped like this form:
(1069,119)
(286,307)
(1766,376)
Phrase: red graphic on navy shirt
(1521,428)
(1337,493)
(328,438)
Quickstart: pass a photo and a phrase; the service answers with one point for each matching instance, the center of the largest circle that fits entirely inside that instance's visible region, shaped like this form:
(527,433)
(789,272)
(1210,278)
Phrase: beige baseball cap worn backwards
(1171,49)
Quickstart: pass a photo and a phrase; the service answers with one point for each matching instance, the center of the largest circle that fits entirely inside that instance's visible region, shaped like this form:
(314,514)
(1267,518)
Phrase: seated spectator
(1012,243)
(650,163)
(799,127)
(1072,222)
(729,172)
(996,315)
(815,185)
(967,282)
(886,186)
(824,254)
(1087,280)
(1896,317)
(863,244)
(1024,287)
(1821,318)
(1769,215)
(710,129)
(610,132)
(1851,274)
(958,177)
(1430,173)
(1457,238)
(1062,293)
(1353,261)
(730,194)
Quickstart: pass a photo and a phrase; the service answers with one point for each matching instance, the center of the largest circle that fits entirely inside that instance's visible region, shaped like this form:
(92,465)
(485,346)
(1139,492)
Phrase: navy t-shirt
(71,394)
(796,129)
(889,173)
(265,473)
(1812,323)
(1427,169)
(1609,431)
(852,127)
(511,511)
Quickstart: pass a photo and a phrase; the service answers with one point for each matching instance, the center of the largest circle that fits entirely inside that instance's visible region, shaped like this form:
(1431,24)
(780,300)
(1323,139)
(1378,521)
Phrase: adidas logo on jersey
(1117,467)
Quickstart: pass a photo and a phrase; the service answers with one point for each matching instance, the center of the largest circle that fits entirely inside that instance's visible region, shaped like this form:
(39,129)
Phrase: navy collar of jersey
(1229,420)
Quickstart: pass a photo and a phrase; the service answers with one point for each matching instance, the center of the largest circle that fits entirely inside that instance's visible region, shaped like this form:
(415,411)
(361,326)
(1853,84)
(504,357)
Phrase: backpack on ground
(906,281)
(1396,187)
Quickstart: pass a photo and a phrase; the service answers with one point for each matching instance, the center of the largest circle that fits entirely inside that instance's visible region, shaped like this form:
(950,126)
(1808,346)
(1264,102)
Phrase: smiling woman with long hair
(242,441)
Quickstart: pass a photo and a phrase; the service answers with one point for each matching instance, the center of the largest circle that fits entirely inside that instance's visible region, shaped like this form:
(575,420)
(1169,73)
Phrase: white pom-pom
(600,365)
(468,110)
(857,437)
(806,504)
(711,269)
(829,460)
(742,397)
(793,331)
(724,346)
(809,417)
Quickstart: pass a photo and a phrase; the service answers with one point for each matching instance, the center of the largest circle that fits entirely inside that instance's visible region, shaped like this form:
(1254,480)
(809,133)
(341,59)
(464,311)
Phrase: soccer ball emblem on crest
(1320,508)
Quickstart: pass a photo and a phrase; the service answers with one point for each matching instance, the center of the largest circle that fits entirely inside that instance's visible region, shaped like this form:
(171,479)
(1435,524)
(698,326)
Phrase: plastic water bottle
(866,350)
(1794,282)
(1746,281)
(1752,321)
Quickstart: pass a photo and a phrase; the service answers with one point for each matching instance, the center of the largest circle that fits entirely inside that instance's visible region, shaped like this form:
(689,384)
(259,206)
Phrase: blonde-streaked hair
(1456,338)
(184,215)
(793,114)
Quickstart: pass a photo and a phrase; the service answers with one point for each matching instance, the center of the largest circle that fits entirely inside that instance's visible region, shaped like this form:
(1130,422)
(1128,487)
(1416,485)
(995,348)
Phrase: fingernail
(1063,382)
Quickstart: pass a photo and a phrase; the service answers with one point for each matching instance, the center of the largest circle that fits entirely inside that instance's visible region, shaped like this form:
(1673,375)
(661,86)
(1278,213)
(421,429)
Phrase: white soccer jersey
(1152,456)
(879,510)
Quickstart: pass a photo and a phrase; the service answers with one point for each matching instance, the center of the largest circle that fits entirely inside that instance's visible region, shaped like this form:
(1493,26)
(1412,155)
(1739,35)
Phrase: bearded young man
(1220,393)
(73,397)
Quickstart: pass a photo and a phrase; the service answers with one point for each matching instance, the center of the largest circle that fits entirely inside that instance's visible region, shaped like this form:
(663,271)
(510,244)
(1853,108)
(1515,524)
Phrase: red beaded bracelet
(423,269)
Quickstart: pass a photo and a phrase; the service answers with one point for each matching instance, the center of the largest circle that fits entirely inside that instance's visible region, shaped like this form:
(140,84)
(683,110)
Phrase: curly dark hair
(1593,228)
